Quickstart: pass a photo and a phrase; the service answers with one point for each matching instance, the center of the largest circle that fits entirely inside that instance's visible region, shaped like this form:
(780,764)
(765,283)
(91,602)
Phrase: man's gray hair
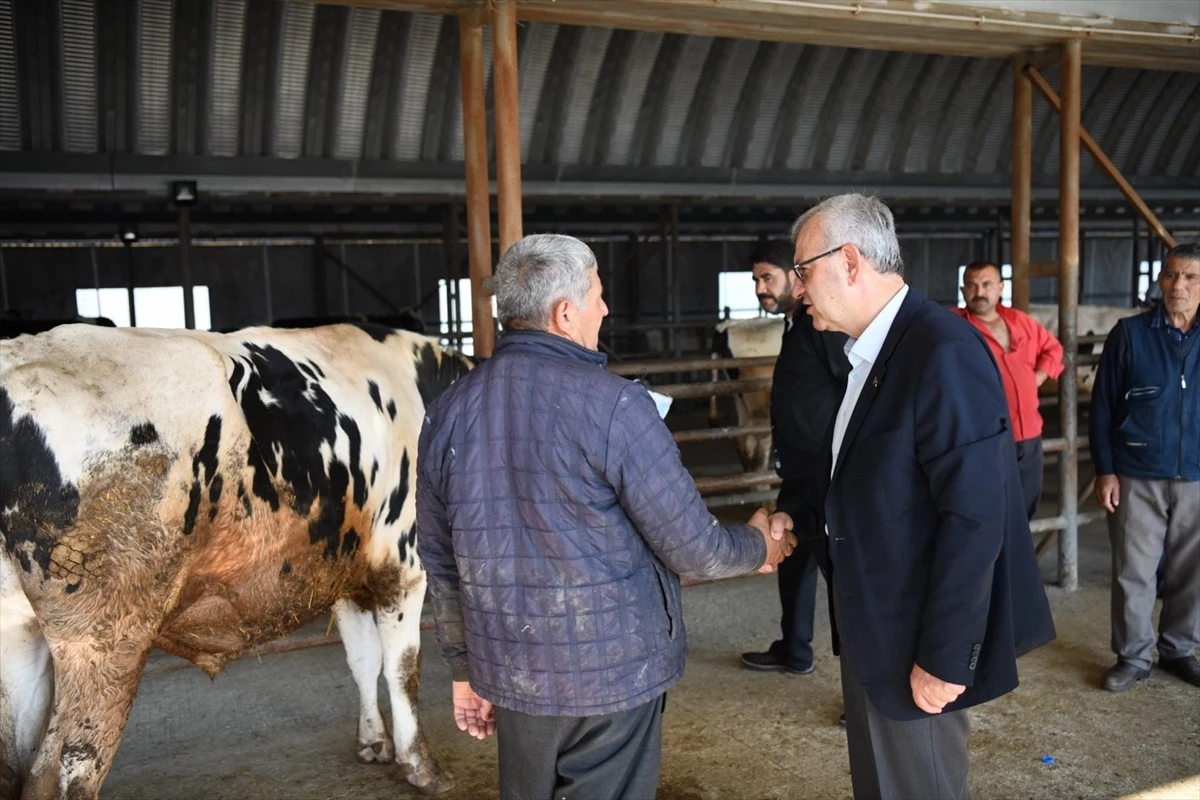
(863,221)
(537,272)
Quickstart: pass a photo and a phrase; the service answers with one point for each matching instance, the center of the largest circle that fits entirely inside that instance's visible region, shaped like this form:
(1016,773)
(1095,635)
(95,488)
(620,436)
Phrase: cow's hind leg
(400,631)
(364,653)
(26,684)
(94,684)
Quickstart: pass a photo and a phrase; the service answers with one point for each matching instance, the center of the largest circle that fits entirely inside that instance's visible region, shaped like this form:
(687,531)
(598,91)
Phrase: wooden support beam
(1042,269)
(1105,163)
(479,226)
(508,128)
(1068,309)
(1022,178)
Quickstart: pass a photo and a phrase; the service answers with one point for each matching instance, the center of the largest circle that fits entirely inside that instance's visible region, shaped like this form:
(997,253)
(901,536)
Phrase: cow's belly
(256,580)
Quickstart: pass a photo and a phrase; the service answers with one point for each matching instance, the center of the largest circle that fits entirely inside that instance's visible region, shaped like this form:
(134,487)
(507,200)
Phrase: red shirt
(1031,348)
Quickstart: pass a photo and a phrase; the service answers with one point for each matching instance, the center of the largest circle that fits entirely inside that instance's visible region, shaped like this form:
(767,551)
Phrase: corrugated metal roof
(289,79)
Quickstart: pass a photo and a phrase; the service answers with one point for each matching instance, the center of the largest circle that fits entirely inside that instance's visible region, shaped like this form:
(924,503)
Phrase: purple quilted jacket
(554,517)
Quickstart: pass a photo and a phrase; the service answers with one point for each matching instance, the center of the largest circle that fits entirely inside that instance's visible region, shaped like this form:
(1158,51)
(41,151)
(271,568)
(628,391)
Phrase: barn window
(1147,274)
(445,301)
(155,306)
(1005,274)
(735,291)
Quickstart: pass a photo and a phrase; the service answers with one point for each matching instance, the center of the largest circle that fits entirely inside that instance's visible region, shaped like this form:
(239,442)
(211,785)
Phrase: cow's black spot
(286,568)
(315,367)
(376,332)
(398,495)
(143,434)
(214,494)
(373,390)
(244,498)
(204,472)
(350,542)
(289,431)
(436,371)
(356,473)
(193,509)
(374,470)
(327,525)
(207,456)
(391,406)
(35,501)
(407,542)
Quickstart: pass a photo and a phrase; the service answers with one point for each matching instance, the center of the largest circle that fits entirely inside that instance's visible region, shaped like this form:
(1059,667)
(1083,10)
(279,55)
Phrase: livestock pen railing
(759,487)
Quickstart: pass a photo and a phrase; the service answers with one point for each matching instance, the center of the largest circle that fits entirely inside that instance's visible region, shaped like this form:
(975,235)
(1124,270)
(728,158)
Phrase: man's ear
(854,263)
(562,317)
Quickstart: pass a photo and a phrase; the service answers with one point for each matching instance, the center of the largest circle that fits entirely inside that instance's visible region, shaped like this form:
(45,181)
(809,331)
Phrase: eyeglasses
(803,267)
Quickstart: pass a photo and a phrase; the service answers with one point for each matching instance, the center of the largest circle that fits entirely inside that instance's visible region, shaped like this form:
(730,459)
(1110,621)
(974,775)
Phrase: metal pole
(479,224)
(185,266)
(4,281)
(1022,175)
(676,310)
(417,277)
(266,262)
(1068,310)
(508,132)
(345,281)
(320,298)
(1136,266)
(450,238)
(129,283)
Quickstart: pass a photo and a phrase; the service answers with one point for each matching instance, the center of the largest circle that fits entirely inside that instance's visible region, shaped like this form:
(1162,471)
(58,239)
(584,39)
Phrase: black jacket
(932,558)
(810,378)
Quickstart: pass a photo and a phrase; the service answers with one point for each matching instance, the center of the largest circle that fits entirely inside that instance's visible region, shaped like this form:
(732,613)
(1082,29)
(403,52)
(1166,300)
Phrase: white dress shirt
(862,353)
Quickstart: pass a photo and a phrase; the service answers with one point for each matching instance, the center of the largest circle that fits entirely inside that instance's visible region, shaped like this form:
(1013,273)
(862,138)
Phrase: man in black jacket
(810,377)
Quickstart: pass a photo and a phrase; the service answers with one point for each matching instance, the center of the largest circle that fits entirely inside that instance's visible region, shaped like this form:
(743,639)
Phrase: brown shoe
(1186,668)
(1123,676)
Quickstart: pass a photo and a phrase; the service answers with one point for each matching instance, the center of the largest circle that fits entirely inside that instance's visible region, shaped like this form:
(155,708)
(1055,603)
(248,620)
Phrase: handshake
(777,531)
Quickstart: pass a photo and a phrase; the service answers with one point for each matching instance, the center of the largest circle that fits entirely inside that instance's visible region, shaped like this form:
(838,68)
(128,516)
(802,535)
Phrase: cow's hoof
(431,779)
(375,752)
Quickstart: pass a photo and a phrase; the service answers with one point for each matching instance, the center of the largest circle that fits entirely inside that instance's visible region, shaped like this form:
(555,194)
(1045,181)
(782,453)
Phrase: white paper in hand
(662,401)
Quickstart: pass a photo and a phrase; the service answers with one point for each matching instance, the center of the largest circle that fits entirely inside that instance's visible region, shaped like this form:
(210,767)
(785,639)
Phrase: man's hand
(1108,492)
(932,694)
(777,532)
(1040,376)
(472,713)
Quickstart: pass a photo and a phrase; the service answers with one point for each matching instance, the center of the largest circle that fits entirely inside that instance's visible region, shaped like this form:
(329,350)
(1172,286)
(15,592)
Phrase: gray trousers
(589,758)
(1155,518)
(924,758)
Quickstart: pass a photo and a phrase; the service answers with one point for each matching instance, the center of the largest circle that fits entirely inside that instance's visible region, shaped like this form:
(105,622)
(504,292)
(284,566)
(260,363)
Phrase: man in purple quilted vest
(555,518)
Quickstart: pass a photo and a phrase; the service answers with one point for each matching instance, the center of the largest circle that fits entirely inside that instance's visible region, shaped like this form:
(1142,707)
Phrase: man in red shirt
(1027,355)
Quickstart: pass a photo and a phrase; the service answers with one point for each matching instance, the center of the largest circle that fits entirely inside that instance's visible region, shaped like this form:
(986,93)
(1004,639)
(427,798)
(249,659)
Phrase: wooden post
(1105,162)
(479,226)
(508,124)
(1068,310)
(1022,175)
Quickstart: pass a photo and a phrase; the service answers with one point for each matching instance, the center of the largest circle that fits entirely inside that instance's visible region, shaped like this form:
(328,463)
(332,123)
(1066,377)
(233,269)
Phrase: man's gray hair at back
(863,221)
(537,272)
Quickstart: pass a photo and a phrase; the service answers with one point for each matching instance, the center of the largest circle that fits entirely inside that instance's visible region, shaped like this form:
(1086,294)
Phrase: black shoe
(1123,676)
(770,661)
(1186,668)
(842,719)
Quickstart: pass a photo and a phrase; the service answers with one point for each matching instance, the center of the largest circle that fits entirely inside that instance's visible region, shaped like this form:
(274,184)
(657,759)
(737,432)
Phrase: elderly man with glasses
(934,582)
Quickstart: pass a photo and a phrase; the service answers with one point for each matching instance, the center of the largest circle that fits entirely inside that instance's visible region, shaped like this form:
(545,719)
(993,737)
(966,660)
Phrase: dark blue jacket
(1145,417)
(931,554)
(553,515)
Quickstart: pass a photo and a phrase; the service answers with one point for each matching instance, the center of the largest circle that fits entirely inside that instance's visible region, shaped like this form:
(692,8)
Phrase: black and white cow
(203,494)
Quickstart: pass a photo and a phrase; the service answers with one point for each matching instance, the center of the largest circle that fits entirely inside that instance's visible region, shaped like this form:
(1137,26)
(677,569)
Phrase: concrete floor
(283,726)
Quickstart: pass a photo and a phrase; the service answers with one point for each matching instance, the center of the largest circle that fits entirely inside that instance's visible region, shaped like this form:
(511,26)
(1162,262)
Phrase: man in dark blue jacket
(554,517)
(936,589)
(1145,442)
